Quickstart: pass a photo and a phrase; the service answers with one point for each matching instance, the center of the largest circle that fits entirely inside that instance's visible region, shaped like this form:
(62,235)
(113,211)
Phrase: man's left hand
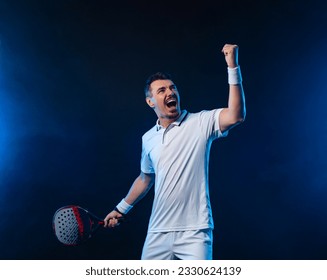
(231,55)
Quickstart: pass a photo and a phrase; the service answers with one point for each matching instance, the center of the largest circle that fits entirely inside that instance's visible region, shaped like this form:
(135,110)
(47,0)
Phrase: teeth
(171,103)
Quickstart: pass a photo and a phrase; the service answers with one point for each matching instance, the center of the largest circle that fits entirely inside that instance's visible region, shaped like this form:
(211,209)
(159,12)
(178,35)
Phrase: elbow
(235,122)
(234,118)
(242,119)
(239,119)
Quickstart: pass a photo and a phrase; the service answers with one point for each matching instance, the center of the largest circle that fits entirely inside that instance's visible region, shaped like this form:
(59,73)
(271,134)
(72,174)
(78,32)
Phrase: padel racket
(74,225)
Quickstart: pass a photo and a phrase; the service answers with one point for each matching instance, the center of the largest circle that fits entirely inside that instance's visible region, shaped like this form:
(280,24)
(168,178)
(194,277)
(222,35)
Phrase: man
(175,156)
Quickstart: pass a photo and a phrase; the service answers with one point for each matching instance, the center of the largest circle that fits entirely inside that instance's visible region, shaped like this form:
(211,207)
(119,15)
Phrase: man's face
(164,99)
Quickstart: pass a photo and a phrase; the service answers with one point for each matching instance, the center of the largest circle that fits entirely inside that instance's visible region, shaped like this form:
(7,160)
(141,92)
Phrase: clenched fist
(231,55)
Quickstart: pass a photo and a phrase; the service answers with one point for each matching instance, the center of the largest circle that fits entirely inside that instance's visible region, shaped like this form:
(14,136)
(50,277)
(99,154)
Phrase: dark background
(72,114)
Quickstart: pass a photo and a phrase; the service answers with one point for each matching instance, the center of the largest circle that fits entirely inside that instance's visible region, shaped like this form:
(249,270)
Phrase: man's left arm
(235,113)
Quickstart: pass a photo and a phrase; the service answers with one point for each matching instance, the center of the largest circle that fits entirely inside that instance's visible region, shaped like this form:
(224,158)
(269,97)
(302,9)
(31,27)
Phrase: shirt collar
(175,123)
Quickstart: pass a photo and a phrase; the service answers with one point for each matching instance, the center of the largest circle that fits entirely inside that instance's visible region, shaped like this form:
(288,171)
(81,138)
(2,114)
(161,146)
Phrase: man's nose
(170,92)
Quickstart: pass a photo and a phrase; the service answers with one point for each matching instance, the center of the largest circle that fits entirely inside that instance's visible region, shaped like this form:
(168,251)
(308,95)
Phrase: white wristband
(124,207)
(234,75)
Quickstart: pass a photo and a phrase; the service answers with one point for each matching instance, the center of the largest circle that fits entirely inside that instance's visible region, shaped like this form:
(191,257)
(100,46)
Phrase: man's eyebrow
(161,88)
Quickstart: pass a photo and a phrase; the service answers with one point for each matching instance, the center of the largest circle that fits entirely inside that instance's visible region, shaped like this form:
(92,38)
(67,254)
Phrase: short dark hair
(155,77)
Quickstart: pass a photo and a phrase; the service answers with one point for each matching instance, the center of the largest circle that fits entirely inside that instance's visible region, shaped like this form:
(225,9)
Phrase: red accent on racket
(74,225)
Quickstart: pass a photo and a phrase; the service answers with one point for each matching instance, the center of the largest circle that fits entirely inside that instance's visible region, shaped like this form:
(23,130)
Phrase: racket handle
(119,219)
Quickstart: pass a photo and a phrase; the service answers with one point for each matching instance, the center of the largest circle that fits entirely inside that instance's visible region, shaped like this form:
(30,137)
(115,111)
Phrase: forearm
(236,103)
(235,111)
(139,188)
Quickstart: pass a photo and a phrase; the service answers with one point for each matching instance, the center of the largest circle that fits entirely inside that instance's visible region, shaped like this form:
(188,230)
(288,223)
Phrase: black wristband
(116,209)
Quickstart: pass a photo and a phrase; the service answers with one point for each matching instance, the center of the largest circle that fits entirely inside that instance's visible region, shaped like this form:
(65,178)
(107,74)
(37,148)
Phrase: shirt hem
(182,228)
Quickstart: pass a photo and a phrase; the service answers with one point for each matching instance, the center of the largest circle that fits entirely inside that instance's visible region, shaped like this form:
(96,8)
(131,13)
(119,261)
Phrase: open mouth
(171,103)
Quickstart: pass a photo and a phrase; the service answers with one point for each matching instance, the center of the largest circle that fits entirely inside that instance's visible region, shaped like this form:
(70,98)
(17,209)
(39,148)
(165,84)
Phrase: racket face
(72,225)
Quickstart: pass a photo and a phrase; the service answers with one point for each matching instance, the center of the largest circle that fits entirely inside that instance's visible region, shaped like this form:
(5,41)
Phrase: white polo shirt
(179,157)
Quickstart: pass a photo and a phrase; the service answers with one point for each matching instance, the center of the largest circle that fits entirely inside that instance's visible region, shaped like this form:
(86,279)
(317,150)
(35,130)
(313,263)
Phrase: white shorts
(178,245)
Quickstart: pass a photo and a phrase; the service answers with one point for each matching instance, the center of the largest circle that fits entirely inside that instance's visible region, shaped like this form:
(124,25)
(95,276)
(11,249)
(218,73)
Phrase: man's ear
(149,102)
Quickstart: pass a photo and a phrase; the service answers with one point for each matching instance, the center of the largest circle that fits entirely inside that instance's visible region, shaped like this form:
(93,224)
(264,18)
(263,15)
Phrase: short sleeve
(146,163)
(209,122)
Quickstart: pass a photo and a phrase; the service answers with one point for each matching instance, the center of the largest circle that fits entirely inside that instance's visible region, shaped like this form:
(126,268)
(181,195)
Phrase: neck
(166,121)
